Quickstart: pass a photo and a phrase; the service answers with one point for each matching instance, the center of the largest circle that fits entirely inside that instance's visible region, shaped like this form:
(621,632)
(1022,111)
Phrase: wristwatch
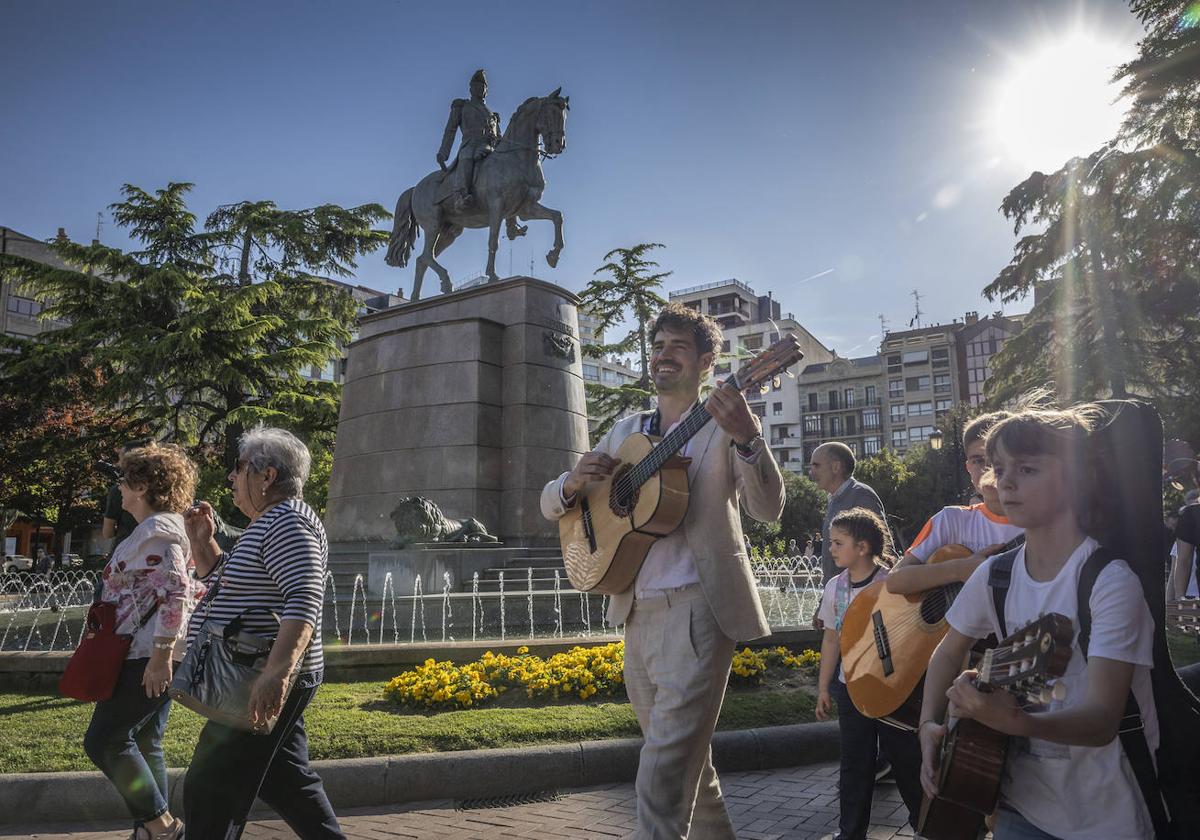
(749,447)
(164,646)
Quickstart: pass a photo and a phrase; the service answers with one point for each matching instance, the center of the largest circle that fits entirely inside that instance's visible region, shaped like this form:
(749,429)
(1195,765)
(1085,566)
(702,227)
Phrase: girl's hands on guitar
(592,467)
(731,411)
(930,735)
(997,709)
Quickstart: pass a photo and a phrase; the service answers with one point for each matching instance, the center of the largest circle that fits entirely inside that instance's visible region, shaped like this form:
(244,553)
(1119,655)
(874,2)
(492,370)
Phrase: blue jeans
(1010,825)
(124,740)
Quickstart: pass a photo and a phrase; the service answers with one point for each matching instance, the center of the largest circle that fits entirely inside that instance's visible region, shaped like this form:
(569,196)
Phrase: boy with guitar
(693,595)
(982,529)
(1067,774)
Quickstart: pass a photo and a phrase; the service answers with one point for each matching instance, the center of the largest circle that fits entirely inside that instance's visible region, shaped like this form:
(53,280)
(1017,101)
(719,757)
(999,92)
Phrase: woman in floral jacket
(149,579)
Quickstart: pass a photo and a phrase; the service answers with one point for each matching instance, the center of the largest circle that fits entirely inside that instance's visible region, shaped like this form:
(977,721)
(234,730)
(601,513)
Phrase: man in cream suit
(694,596)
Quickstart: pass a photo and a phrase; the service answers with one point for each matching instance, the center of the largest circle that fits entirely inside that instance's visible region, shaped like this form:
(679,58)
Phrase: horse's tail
(404,232)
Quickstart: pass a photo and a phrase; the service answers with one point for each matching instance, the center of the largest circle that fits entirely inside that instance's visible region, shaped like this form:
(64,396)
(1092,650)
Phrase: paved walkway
(796,802)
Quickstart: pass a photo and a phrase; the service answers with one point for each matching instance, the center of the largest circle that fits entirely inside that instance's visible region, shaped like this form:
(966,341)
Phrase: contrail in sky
(815,276)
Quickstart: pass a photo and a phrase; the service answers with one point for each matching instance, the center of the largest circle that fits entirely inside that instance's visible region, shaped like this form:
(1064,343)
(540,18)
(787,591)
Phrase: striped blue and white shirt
(278,564)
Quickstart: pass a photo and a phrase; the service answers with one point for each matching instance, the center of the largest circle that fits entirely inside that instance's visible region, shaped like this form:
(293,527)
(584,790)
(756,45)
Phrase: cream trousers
(676,667)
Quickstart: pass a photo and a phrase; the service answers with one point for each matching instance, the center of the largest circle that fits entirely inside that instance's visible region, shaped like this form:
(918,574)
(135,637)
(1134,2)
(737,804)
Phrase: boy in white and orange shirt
(982,528)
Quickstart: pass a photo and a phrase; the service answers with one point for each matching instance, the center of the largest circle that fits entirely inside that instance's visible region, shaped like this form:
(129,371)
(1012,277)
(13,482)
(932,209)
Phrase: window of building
(943,405)
(851,425)
(896,415)
(870,419)
(893,363)
(779,433)
(835,426)
(920,409)
(758,409)
(871,396)
(899,439)
(941,357)
(777,408)
(725,346)
(915,357)
(853,444)
(591,373)
(941,383)
(611,377)
(916,383)
(327,373)
(895,387)
(812,424)
(833,400)
(812,401)
(916,434)
(848,396)
(24,306)
(872,445)
(752,342)
(721,369)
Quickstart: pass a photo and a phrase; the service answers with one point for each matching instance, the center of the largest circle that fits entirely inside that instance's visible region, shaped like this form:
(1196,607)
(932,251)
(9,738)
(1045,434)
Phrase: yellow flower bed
(579,673)
(750,665)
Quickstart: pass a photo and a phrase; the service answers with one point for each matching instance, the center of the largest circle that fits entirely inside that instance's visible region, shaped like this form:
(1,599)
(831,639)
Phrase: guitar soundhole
(621,504)
(935,603)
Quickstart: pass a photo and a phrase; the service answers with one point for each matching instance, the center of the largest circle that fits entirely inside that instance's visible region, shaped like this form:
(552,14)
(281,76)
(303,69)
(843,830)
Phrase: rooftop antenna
(916,319)
(99,224)
(883,325)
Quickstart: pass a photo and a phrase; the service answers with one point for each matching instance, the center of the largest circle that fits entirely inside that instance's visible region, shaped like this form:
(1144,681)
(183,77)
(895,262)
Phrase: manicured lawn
(42,733)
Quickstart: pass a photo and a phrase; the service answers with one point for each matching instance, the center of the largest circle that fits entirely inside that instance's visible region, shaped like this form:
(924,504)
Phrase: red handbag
(95,665)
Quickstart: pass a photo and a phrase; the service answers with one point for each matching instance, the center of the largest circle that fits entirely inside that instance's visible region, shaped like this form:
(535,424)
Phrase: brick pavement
(794,802)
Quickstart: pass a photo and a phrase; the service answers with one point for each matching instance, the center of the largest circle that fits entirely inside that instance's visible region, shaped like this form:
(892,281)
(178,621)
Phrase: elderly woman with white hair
(278,566)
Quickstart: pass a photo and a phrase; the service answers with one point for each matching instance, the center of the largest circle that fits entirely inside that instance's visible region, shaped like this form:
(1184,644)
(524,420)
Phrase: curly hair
(866,526)
(166,472)
(704,330)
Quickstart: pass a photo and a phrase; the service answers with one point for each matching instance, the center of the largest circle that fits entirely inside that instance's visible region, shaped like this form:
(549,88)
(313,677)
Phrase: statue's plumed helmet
(479,77)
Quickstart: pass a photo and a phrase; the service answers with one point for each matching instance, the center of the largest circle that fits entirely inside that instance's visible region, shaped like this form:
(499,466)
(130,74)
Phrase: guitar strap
(1131,731)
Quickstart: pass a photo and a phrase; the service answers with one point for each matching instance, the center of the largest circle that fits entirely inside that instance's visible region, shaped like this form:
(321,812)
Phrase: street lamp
(935,439)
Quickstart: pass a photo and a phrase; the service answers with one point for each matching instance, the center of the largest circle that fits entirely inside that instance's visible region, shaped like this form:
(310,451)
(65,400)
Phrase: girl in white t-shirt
(859,543)
(1067,775)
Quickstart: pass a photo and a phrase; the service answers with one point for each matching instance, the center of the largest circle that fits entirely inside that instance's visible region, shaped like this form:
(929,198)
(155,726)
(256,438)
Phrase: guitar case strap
(1133,734)
(1131,731)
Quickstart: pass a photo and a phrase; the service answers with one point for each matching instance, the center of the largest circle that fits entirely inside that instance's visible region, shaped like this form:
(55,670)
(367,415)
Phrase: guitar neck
(685,430)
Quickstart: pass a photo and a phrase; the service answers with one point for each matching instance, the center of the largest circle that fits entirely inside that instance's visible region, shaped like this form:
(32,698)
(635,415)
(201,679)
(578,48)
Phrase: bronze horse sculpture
(508,185)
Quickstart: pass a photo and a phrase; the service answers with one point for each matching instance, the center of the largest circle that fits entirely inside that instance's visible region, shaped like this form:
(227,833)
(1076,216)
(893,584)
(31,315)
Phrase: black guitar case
(1126,456)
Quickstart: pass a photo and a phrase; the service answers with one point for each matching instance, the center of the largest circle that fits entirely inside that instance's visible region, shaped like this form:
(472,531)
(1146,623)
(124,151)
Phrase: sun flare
(1058,101)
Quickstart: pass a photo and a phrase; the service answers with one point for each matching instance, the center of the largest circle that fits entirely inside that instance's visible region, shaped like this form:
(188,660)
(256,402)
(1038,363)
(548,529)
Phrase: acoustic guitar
(973,755)
(607,534)
(888,639)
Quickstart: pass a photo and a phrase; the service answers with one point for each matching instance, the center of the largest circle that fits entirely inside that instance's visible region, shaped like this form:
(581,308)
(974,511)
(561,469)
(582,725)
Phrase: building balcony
(786,440)
(840,405)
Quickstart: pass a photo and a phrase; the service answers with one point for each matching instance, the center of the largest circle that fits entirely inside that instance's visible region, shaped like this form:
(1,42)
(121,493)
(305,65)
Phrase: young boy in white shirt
(982,528)
(1067,775)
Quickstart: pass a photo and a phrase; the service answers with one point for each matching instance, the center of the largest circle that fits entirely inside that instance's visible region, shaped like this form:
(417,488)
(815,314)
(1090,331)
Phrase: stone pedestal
(472,399)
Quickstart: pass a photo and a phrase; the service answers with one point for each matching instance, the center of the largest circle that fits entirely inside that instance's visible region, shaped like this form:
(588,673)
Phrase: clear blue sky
(768,141)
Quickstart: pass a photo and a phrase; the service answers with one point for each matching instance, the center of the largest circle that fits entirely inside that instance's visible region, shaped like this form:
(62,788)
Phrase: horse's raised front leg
(494,219)
(537,211)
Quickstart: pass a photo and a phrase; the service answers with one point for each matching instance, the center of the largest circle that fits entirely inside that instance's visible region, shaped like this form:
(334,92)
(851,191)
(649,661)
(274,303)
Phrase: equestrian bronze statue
(491,180)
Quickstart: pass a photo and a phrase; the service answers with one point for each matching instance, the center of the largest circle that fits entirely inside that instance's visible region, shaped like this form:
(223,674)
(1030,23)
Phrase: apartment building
(978,341)
(751,322)
(19,310)
(369,300)
(842,400)
(923,381)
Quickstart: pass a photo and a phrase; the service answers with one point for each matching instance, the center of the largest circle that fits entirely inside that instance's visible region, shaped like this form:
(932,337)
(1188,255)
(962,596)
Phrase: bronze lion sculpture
(419,520)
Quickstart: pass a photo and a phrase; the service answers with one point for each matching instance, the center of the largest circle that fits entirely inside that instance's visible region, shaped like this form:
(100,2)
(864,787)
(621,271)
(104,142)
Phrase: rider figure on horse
(480,128)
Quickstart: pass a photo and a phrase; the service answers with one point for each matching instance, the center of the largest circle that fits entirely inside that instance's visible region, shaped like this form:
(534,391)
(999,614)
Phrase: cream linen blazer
(718,480)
